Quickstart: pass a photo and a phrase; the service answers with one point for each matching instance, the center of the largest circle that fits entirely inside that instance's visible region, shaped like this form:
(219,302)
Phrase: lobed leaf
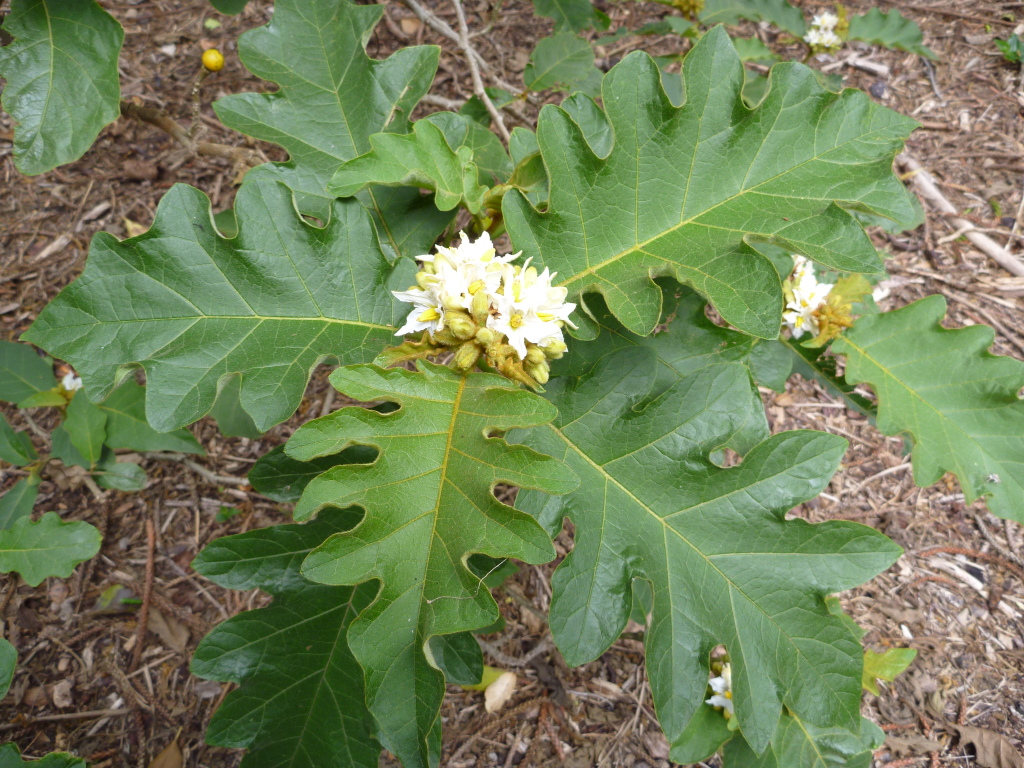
(268,305)
(651,505)
(686,190)
(45,548)
(127,428)
(332,98)
(575,15)
(958,402)
(300,700)
(428,505)
(890,29)
(778,12)
(562,61)
(62,82)
(799,744)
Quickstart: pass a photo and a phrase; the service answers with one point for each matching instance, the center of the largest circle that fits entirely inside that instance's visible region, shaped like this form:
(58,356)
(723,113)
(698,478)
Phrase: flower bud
(460,324)
(466,356)
(480,307)
(535,355)
(539,371)
(486,336)
(428,268)
(425,279)
(555,349)
(452,303)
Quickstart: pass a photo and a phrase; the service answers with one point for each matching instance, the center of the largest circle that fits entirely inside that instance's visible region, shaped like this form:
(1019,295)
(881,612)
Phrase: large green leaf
(686,190)
(562,61)
(799,744)
(128,429)
(48,547)
(282,478)
(86,428)
(61,73)
(957,401)
(10,757)
(300,699)
(232,420)
(192,308)
(890,29)
(429,505)
(22,372)
(18,501)
(15,447)
(652,505)
(778,12)
(332,98)
(575,15)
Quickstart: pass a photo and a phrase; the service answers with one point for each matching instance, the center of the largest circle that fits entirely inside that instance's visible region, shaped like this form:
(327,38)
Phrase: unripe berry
(213,60)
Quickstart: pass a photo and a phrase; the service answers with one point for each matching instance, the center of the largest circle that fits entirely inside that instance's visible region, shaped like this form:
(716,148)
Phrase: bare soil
(961,606)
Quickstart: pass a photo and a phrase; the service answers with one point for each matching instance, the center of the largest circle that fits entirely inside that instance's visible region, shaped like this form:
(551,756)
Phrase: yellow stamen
(515,321)
(475,286)
(516,291)
(429,315)
(547,317)
(728,694)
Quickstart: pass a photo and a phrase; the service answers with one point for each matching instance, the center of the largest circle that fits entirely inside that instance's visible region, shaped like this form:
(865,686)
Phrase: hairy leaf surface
(686,190)
(652,505)
(428,505)
(48,547)
(62,83)
(944,389)
(332,98)
(194,309)
(300,700)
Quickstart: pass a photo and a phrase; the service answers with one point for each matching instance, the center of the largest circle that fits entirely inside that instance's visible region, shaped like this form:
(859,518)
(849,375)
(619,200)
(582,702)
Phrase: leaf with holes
(957,401)
(62,84)
(269,304)
(300,697)
(652,505)
(48,547)
(685,191)
(429,503)
(332,97)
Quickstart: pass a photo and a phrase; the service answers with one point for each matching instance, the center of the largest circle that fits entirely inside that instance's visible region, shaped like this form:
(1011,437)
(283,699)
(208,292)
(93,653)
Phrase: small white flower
(428,312)
(71,382)
(521,325)
(808,295)
(825,20)
(722,687)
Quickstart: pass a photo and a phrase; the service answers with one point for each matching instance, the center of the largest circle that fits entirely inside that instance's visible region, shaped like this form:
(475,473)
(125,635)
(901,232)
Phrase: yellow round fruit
(213,60)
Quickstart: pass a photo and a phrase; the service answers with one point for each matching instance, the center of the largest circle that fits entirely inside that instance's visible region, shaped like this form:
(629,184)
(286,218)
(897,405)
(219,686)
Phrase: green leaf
(22,372)
(1011,48)
(458,656)
(62,84)
(957,401)
(15,447)
(86,426)
(61,448)
(814,363)
(10,757)
(45,548)
(890,30)
(429,504)
(300,700)
(280,477)
(592,121)
(652,505)
(885,666)
(475,109)
(331,98)
(18,501)
(686,190)
(800,744)
(574,15)
(8,662)
(419,159)
(753,50)
(119,475)
(269,305)
(232,420)
(229,7)
(706,732)
(128,429)
(778,12)
(670,25)
(49,399)
(562,61)
(489,156)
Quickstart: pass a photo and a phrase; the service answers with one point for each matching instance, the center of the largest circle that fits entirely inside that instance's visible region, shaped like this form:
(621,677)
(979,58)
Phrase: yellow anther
(475,286)
(547,317)
(515,321)
(429,315)
(517,290)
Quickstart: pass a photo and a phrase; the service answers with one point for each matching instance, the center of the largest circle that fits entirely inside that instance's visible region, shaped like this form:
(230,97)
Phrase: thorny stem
(474,71)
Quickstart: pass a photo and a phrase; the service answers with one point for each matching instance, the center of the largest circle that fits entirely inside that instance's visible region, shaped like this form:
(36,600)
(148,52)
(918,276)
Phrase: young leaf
(271,303)
(232,420)
(891,30)
(418,159)
(48,547)
(300,700)
(778,12)
(652,505)
(8,661)
(1012,48)
(22,372)
(885,666)
(332,97)
(18,501)
(10,757)
(574,15)
(563,61)
(797,743)
(86,427)
(62,84)
(119,475)
(686,190)
(489,156)
(15,447)
(957,401)
(429,504)
(280,477)
(128,429)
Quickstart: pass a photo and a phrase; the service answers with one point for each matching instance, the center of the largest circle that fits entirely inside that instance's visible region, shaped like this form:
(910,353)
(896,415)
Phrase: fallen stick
(925,186)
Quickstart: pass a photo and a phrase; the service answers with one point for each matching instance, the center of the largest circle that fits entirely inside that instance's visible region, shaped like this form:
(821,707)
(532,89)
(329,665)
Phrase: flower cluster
(804,294)
(823,36)
(470,299)
(721,688)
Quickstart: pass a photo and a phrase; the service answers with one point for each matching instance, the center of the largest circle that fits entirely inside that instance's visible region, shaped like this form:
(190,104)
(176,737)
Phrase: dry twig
(474,71)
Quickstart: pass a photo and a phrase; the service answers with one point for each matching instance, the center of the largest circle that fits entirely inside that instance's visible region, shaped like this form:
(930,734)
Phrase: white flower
(722,687)
(521,324)
(822,35)
(547,301)
(428,312)
(808,295)
(71,382)
(825,20)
